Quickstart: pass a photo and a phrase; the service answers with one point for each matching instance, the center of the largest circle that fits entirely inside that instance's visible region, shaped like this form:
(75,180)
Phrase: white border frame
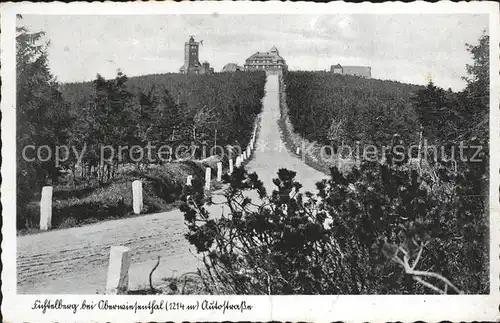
(373,308)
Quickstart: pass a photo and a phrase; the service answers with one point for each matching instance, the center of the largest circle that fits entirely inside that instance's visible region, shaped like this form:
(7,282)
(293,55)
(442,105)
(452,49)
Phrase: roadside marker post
(119,264)
(46,208)
(219,171)
(208,176)
(137,196)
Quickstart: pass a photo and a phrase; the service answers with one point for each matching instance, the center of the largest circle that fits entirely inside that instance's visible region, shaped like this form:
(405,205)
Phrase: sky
(403,47)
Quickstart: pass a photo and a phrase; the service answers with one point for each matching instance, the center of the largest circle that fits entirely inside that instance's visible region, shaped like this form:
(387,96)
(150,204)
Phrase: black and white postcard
(241,161)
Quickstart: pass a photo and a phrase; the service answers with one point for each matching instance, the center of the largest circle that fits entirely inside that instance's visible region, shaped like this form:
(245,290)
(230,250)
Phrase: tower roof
(274,50)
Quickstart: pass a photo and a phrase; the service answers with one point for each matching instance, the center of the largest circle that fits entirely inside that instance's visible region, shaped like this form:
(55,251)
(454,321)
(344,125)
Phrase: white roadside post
(208,175)
(219,171)
(137,196)
(249,151)
(189,180)
(298,151)
(231,166)
(238,161)
(46,208)
(119,264)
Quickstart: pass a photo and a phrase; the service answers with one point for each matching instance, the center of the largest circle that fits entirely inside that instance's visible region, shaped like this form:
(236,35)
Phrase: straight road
(270,153)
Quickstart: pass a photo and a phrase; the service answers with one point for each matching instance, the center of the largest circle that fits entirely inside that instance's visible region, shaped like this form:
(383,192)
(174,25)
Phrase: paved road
(74,260)
(270,154)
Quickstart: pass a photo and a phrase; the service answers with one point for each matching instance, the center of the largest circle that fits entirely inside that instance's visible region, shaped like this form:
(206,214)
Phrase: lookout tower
(191,53)
(191,58)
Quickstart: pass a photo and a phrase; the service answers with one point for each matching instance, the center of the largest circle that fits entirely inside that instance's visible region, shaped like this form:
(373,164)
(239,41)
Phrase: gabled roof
(274,50)
(274,55)
(337,66)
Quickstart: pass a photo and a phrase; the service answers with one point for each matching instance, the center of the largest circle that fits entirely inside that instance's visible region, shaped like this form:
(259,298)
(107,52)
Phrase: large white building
(266,61)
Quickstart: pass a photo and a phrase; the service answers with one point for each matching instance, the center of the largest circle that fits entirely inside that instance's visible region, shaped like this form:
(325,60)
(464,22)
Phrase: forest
(358,109)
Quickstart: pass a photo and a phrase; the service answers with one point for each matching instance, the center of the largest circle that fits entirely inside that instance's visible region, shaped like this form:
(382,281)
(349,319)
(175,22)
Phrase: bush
(351,237)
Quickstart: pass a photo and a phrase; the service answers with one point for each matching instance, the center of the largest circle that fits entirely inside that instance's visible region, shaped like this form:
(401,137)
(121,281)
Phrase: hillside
(328,107)
(229,99)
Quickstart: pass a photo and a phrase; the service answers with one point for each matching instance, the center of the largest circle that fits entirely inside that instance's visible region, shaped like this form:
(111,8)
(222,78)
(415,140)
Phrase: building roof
(231,67)
(272,54)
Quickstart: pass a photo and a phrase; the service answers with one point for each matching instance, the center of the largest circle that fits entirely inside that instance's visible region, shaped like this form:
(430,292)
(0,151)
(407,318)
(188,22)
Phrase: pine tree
(42,115)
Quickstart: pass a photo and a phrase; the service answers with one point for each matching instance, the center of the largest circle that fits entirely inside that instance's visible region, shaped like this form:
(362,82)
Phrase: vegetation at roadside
(89,202)
(354,235)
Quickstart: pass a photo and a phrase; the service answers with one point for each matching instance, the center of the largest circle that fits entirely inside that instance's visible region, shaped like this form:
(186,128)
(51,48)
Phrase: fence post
(219,171)
(249,151)
(189,180)
(238,161)
(231,166)
(46,208)
(137,196)
(119,264)
(208,175)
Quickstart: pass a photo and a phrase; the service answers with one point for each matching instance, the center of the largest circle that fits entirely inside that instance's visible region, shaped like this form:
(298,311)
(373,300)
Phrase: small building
(266,61)
(191,59)
(232,67)
(206,68)
(361,71)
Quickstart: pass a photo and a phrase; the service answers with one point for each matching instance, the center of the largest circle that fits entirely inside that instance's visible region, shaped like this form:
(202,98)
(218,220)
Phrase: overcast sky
(405,48)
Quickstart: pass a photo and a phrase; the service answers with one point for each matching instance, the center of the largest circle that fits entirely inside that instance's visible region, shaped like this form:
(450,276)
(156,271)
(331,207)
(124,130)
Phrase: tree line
(332,108)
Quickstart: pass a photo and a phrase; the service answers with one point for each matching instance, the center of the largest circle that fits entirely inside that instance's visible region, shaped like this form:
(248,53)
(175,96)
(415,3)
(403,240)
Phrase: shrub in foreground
(380,229)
